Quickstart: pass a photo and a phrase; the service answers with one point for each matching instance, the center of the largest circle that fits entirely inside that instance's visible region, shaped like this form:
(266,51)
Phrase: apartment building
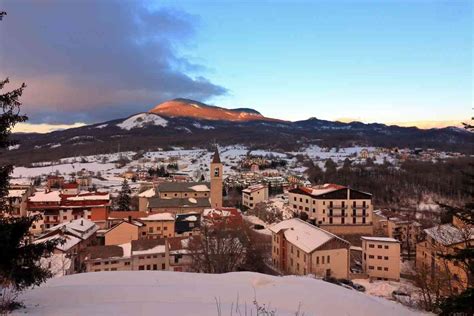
(381,258)
(17,200)
(57,207)
(338,209)
(301,248)
(254,194)
(439,241)
(144,254)
(406,231)
(180,259)
(160,225)
(123,232)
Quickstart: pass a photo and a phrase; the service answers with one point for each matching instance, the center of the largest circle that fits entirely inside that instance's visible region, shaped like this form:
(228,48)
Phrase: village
(327,231)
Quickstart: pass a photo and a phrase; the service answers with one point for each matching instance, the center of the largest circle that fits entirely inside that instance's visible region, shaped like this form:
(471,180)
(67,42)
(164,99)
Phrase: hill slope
(199,110)
(175,293)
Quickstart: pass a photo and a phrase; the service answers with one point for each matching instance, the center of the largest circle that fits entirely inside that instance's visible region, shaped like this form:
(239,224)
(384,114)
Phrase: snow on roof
(158,217)
(254,188)
(16,193)
(303,235)
(380,239)
(148,193)
(141,120)
(89,197)
(127,249)
(448,234)
(82,228)
(211,212)
(156,249)
(41,196)
(200,188)
(195,293)
(191,218)
(69,241)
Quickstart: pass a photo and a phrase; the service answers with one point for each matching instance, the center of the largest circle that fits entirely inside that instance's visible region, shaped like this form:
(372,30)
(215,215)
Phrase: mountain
(194,109)
(199,294)
(190,124)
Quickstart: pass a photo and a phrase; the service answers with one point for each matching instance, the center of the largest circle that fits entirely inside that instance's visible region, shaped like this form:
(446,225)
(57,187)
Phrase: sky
(404,62)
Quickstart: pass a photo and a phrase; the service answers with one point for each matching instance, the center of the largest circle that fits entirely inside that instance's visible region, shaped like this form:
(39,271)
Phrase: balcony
(337,207)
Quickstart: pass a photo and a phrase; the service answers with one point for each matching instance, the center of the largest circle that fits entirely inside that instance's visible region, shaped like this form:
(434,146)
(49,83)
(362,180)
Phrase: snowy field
(177,293)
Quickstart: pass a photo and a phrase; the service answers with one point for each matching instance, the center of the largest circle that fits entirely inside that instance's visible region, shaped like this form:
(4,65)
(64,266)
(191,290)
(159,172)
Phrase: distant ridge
(189,108)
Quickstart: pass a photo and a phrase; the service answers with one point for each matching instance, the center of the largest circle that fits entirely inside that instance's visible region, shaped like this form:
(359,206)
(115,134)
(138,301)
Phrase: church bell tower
(216,180)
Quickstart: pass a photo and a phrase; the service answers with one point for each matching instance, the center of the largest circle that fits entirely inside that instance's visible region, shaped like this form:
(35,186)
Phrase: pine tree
(19,260)
(124,199)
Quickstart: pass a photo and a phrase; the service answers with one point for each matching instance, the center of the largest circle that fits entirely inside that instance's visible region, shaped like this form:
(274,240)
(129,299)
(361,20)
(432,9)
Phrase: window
(330,220)
(301,200)
(64,217)
(385,258)
(379,257)
(297,253)
(342,220)
(371,256)
(371,267)
(163,266)
(113,269)
(141,267)
(127,263)
(150,230)
(291,261)
(297,267)
(379,268)
(329,259)
(148,267)
(155,267)
(363,220)
(113,262)
(322,258)
(379,246)
(386,247)
(216,172)
(385,269)
(97,263)
(353,220)
(371,246)
(317,260)
(294,198)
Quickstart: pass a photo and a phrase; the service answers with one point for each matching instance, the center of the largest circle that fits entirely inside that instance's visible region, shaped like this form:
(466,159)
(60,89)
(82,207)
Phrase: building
(216,180)
(338,209)
(157,226)
(222,218)
(17,200)
(301,248)
(57,207)
(187,224)
(77,236)
(254,194)
(143,198)
(180,259)
(179,197)
(150,254)
(406,231)
(439,241)
(123,232)
(381,258)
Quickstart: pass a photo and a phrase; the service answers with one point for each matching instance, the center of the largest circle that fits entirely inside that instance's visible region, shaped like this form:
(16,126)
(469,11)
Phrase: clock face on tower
(216,172)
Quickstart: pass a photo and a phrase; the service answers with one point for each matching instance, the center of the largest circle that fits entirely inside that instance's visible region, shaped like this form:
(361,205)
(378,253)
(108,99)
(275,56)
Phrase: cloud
(97,60)
(42,128)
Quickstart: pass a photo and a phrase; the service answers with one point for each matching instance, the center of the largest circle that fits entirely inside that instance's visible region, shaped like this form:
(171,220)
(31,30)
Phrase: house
(187,224)
(70,188)
(381,258)
(67,257)
(160,225)
(54,182)
(301,248)
(180,260)
(17,200)
(143,198)
(123,232)
(254,194)
(151,254)
(338,209)
(439,241)
(224,217)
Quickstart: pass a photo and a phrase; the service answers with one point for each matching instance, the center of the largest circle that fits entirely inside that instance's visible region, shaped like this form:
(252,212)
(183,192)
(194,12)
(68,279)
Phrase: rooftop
(379,239)
(304,235)
(448,234)
(184,187)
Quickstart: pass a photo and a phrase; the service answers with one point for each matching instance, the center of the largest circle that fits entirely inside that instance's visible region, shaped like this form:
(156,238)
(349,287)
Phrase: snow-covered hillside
(175,293)
(142,120)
